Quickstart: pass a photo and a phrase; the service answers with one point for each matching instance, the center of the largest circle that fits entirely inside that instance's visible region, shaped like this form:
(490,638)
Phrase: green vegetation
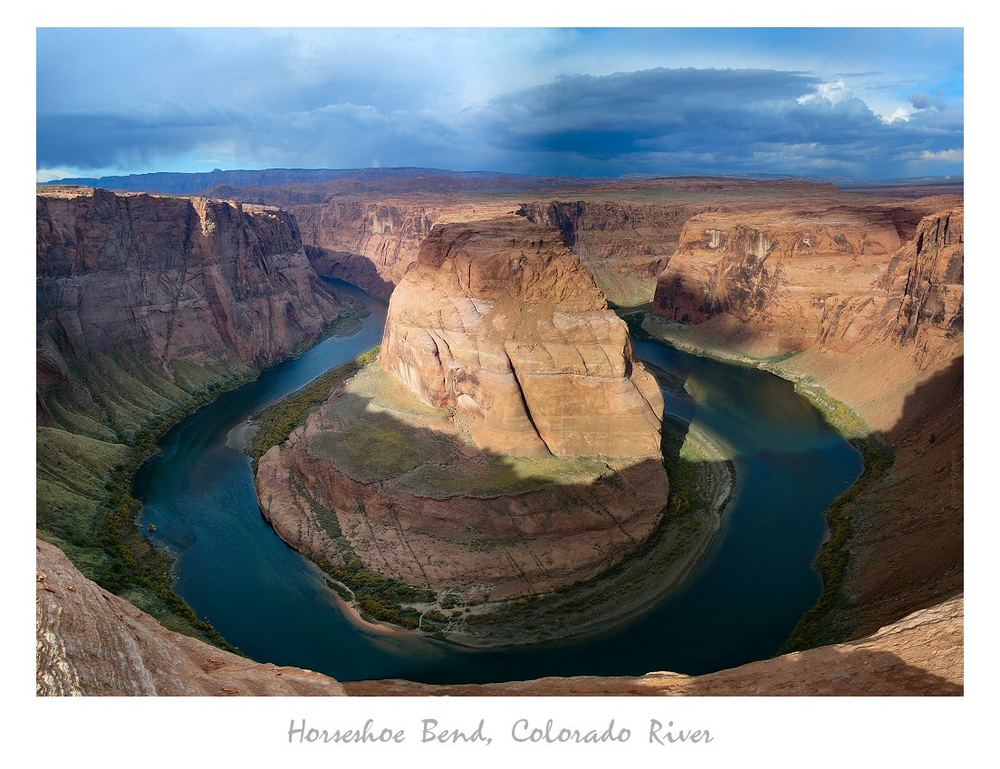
(276,423)
(833,556)
(376,597)
(375,447)
(493,475)
(99,428)
(85,462)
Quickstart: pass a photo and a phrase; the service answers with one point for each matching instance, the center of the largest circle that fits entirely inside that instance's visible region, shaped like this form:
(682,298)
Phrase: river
(741,604)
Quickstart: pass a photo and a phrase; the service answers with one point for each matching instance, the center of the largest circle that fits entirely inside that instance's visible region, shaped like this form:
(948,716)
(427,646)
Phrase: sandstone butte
(91,642)
(511,444)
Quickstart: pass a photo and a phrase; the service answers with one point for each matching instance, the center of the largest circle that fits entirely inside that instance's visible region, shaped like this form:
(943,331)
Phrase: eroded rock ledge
(91,642)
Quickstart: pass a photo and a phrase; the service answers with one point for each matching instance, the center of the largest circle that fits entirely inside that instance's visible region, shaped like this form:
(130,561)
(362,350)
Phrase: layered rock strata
(500,320)
(374,243)
(91,642)
(507,444)
(869,310)
(625,245)
(162,280)
(147,305)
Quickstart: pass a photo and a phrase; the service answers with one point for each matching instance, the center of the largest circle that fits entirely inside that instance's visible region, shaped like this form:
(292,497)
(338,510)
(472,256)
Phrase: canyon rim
(638,381)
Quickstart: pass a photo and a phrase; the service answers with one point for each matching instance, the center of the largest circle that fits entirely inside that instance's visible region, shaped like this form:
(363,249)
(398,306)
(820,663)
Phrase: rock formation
(778,282)
(867,304)
(147,305)
(90,642)
(773,272)
(514,445)
(165,280)
(625,245)
(374,243)
(500,320)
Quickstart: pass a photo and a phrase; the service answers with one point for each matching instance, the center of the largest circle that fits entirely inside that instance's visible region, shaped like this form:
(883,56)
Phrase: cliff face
(625,245)
(775,273)
(928,278)
(90,642)
(868,305)
(370,244)
(145,306)
(510,443)
(374,243)
(501,321)
(163,280)
(840,280)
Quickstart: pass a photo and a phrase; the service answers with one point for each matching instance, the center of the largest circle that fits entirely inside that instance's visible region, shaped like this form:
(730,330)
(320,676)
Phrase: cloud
(952,155)
(140,100)
(706,121)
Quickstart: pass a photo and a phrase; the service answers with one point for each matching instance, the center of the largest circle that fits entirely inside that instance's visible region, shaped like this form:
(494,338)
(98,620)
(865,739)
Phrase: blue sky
(862,103)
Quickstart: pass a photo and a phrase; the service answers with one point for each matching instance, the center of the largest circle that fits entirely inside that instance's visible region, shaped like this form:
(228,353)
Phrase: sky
(847,103)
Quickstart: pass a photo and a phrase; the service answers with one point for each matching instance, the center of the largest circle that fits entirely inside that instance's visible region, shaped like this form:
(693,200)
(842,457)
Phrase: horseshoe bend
(505,443)
(598,492)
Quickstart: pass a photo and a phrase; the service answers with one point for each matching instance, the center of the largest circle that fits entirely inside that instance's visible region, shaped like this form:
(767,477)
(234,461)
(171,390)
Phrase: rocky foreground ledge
(90,642)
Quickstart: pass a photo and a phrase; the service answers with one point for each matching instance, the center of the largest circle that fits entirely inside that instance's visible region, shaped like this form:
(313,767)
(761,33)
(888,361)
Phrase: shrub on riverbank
(276,423)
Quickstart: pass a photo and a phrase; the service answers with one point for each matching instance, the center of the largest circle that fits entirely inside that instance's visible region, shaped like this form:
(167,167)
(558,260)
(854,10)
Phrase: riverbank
(702,482)
(85,501)
(874,447)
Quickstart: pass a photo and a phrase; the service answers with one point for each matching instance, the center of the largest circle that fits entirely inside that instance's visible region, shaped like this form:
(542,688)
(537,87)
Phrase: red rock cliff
(501,320)
(165,281)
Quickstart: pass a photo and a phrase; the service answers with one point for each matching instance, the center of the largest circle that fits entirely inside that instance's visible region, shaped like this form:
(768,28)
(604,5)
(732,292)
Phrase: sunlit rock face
(505,444)
(500,321)
(864,300)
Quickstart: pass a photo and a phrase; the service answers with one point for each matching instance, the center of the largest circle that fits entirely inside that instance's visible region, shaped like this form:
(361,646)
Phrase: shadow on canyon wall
(906,541)
(351,268)
(896,537)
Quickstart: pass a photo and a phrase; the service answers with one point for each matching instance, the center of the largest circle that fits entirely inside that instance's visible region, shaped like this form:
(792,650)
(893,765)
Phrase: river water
(741,605)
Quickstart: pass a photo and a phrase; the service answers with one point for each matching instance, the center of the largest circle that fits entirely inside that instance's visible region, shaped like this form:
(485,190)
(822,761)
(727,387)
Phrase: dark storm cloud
(853,102)
(692,120)
(105,138)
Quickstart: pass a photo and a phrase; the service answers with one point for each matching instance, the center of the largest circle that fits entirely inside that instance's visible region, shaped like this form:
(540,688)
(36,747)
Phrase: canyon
(506,443)
(441,464)
(863,308)
(147,305)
